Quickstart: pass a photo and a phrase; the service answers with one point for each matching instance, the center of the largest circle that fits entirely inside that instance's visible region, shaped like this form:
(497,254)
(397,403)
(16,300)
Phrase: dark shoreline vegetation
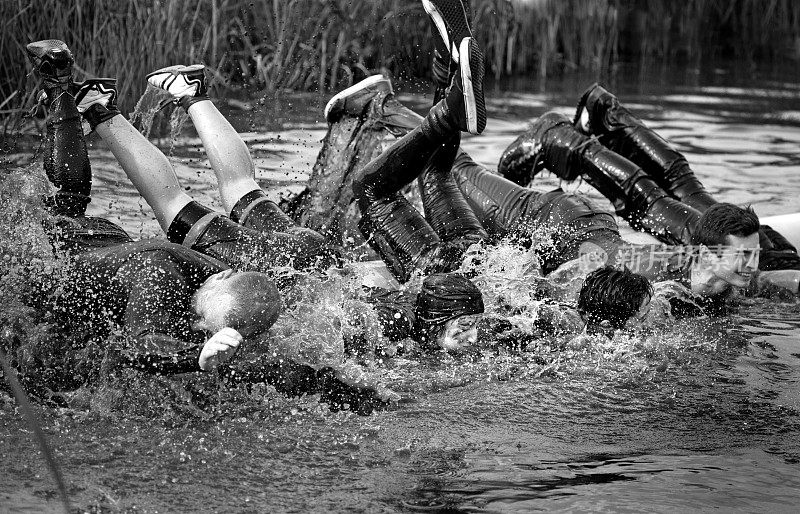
(270,46)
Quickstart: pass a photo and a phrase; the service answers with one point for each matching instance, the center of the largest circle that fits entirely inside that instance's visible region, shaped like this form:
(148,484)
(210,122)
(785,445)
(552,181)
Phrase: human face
(742,262)
(459,334)
(739,260)
(733,268)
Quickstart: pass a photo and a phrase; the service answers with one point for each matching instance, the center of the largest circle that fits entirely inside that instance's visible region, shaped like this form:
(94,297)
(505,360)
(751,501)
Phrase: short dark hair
(613,295)
(722,220)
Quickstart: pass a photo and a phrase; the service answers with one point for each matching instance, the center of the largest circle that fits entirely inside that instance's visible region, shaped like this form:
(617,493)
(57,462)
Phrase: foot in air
(52,61)
(464,96)
(186,84)
(354,100)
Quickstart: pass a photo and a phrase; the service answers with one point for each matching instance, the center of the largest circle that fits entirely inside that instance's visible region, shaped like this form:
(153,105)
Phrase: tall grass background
(321,45)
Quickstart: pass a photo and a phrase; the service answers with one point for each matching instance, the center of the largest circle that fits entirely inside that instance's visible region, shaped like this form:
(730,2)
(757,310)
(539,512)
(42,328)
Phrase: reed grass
(276,45)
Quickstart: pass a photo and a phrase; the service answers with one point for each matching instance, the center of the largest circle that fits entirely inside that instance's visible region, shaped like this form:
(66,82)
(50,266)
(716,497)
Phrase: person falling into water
(653,187)
(178,310)
(508,209)
(255,242)
(504,207)
(433,315)
(410,243)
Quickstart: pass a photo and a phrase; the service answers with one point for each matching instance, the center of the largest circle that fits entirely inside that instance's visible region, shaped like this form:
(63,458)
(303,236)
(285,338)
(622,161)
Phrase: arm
(138,353)
(294,379)
(161,354)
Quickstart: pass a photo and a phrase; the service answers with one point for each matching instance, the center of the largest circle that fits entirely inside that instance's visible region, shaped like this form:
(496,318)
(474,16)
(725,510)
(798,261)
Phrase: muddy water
(698,415)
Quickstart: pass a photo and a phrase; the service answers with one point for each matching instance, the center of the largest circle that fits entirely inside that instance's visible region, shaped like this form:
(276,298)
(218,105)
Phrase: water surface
(700,415)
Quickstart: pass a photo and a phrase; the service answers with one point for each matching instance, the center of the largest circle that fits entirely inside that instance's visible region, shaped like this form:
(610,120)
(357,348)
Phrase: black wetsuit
(145,286)
(249,248)
(625,135)
(462,202)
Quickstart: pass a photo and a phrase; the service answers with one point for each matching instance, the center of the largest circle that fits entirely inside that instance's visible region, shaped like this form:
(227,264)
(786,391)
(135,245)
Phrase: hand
(219,348)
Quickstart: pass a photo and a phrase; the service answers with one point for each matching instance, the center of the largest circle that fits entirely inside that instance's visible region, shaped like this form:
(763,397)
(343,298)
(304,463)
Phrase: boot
(554,143)
(354,100)
(52,61)
(445,207)
(600,114)
(374,99)
(66,161)
(522,160)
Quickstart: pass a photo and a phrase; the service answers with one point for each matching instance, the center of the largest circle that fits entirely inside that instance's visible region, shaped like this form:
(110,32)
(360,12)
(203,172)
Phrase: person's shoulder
(153,248)
(180,252)
(773,284)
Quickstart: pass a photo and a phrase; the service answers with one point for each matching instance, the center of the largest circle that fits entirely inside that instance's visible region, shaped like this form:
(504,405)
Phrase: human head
(490,330)
(443,300)
(731,233)
(246,301)
(609,297)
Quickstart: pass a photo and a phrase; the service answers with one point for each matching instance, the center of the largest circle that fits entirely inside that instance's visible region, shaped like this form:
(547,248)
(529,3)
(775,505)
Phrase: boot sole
(451,20)
(106,86)
(339,99)
(471,64)
(173,72)
(39,49)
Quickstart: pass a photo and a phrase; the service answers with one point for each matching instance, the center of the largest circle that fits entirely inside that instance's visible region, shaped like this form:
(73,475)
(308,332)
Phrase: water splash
(321,314)
(146,110)
(29,264)
(177,120)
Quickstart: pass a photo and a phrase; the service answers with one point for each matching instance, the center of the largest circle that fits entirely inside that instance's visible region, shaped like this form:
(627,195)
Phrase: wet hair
(724,219)
(246,301)
(444,297)
(612,295)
